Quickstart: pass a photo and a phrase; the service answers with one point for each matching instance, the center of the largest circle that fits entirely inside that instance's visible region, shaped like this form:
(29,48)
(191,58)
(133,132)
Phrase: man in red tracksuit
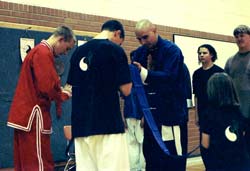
(29,114)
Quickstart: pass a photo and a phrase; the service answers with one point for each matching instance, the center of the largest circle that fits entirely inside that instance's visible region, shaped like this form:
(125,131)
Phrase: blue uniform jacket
(165,83)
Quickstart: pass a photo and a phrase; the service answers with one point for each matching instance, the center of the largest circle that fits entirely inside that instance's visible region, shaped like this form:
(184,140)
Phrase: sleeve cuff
(144,74)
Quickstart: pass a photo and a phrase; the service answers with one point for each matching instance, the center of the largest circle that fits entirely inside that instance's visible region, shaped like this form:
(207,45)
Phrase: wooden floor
(193,164)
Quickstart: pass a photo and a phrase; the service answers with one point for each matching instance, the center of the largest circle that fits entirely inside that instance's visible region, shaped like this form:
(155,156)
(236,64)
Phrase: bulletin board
(10,65)
(189,46)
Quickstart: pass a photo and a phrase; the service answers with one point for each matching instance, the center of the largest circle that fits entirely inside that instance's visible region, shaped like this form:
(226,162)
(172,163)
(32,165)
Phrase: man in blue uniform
(161,68)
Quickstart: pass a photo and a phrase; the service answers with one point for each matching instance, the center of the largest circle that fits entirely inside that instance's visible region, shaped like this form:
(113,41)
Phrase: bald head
(145,33)
(144,24)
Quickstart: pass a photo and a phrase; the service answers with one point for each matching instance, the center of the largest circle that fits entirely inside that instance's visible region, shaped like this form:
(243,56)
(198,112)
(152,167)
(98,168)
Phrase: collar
(45,43)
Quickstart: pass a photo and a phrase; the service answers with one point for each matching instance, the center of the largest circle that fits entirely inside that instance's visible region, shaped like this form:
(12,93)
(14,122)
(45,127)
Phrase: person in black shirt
(206,56)
(222,140)
(99,69)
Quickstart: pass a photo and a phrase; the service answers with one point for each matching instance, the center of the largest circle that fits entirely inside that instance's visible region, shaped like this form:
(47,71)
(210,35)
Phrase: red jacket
(38,85)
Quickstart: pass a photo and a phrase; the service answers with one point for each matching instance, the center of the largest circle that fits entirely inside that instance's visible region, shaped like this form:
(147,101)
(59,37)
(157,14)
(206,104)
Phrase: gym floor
(193,164)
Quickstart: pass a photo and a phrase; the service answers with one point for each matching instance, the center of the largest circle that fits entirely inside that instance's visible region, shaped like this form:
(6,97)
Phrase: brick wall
(41,18)
(193,133)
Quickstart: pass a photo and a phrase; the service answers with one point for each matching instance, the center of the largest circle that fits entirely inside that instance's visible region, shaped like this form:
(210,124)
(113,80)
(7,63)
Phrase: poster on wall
(26,44)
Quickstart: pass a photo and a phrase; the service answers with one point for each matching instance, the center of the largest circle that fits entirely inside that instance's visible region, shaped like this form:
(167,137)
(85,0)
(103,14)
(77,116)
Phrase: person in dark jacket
(161,68)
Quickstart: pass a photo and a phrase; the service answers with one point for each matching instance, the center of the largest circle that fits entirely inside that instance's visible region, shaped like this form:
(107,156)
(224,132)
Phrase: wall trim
(42,28)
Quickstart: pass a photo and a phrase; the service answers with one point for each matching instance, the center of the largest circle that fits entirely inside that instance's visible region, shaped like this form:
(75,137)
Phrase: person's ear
(61,38)
(118,33)
(154,29)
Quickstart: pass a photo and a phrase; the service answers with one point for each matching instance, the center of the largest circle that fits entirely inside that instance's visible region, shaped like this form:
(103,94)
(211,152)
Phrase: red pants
(32,151)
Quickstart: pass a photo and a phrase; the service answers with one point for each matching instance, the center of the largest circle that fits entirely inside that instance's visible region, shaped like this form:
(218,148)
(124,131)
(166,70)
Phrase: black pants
(156,159)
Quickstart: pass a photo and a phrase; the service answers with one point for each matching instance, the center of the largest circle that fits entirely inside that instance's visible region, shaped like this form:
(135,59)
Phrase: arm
(122,102)
(208,128)
(122,72)
(126,89)
(46,78)
(171,63)
(227,65)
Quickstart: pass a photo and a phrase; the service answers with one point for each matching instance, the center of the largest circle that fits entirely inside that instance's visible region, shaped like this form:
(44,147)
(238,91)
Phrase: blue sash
(141,95)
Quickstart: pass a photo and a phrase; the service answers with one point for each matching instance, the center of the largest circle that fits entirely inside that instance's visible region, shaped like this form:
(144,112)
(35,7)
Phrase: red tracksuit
(29,114)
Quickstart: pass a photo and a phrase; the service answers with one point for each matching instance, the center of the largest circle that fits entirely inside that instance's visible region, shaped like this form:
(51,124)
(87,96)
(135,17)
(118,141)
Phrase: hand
(67,89)
(65,96)
(138,65)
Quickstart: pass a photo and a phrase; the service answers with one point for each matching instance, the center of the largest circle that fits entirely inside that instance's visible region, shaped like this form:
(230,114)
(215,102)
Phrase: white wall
(214,16)
(189,47)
